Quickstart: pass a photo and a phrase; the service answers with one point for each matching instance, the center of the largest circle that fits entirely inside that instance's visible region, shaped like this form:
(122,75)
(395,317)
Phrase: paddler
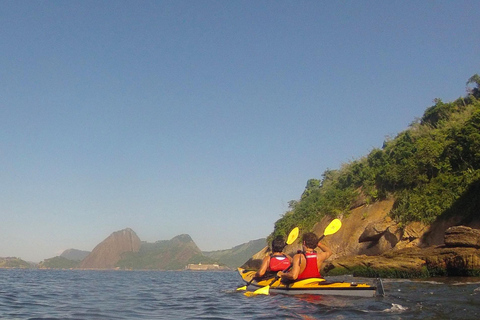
(277,261)
(307,264)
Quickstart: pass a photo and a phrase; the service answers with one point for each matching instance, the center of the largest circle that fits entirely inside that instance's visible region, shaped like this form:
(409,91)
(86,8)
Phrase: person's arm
(326,251)
(289,258)
(263,267)
(294,272)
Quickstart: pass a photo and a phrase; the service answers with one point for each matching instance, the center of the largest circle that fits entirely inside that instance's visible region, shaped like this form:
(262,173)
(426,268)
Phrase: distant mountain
(74,254)
(69,259)
(109,252)
(238,255)
(11,262)
(172,254)
(59,262)
(124,250)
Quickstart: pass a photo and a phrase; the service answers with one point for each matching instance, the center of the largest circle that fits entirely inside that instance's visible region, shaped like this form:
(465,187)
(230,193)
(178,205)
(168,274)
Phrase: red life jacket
(279,263)
(311,269)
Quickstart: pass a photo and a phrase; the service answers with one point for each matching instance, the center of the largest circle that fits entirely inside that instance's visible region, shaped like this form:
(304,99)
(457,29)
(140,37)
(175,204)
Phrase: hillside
(172,254)
(74,254)
(124,250)
(12,262)
(430,171)
(238,255)
(408,209)
(59,262)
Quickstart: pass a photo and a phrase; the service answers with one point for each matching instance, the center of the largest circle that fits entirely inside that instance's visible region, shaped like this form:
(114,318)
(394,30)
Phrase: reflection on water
(75,294)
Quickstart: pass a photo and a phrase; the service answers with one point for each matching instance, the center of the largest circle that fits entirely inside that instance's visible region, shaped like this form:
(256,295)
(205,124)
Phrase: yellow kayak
(317,286)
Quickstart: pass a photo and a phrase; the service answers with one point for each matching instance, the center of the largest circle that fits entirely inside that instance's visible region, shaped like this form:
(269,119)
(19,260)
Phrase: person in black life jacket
(307,264)
(276,261)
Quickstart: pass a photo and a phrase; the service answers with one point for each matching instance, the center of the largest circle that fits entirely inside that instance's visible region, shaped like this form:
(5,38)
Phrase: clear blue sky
(204,117)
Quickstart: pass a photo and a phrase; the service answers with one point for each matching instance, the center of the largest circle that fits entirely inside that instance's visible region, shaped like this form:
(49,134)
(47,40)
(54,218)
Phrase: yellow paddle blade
(333,227)
(292,236)
(242,288)
(264,290)
(249,294)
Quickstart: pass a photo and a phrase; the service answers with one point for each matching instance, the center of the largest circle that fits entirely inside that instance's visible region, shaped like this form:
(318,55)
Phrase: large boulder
(375,230)
(462,236)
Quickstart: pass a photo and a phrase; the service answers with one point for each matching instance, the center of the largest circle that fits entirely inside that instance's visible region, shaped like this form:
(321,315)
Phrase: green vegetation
(432,169)
(59,263)
(172,254)
(75,254)
(238,255)
(12,262)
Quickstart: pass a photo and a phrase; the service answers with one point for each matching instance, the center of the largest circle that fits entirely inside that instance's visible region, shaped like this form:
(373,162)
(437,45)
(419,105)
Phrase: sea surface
(75,294)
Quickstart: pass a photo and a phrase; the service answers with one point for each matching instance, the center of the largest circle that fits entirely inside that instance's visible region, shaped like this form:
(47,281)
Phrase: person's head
(278,244)
(310,240)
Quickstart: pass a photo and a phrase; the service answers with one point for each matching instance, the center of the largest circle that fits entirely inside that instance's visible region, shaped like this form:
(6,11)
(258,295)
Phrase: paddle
(263,290)
(245,286)
(292,236)
(332,227)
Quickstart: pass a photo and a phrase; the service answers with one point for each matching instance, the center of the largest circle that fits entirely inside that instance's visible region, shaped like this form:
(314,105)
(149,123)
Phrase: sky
(204,117)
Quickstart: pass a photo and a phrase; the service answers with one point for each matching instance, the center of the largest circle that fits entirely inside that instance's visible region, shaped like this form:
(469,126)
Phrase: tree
(312,184)
(475,79)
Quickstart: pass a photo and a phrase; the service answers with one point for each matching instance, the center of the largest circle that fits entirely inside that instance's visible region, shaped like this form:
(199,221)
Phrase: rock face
(371,244)
(411,263)
(368,223)
(460,256)
(106,254)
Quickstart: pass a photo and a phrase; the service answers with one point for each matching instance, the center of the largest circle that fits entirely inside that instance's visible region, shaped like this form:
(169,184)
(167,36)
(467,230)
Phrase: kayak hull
(314,286)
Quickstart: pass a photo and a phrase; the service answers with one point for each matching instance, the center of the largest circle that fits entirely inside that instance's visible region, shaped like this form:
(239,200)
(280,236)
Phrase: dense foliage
(431,169)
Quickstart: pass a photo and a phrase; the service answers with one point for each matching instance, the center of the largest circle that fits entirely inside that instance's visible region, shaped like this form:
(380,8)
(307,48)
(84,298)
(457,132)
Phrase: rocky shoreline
(459,257)
(370,244)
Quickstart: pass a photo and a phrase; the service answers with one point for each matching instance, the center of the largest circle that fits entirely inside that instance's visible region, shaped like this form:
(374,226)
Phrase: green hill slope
(431,170)
(12,262)
(238,255)
(59,263)
(75,254)
(172,254)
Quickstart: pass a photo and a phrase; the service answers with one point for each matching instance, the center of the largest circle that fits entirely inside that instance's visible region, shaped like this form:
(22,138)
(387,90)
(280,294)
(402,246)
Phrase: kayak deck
(318,286)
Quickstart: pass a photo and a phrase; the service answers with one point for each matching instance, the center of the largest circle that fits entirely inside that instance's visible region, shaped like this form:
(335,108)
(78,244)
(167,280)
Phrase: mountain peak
(182,238)
(106,254)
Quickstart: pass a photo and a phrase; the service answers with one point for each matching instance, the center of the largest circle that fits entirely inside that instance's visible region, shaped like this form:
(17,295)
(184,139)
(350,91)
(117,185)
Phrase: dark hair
(310,239)
(278,244)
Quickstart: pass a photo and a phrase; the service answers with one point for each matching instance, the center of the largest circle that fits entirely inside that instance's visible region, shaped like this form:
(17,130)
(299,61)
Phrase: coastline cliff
(410,208)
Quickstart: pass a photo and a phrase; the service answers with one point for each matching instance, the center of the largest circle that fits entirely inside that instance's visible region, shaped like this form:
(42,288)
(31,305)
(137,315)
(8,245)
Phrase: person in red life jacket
(277,261)
(307,264)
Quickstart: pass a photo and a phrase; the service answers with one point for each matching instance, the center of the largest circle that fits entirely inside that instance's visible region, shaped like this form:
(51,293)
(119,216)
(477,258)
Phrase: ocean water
(75,294)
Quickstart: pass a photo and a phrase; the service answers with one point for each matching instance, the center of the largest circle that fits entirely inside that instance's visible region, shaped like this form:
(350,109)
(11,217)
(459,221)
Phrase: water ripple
(79,295)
